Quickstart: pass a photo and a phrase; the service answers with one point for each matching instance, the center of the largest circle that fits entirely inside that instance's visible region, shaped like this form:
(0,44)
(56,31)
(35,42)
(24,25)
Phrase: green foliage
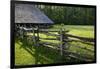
(69,15)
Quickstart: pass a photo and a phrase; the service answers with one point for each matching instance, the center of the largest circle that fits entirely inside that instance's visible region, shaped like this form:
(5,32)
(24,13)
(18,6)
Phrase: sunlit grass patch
(26,52)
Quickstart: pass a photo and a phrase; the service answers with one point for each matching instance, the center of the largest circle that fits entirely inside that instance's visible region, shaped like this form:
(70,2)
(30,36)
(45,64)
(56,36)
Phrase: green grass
(79,30)
(27,54)
(22,56)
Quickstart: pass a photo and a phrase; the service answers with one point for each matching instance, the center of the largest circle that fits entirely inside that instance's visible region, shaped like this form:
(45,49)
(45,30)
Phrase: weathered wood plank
(85,42)
(50,34)
(49,38)
(81,38)
(50,43)
(70,54)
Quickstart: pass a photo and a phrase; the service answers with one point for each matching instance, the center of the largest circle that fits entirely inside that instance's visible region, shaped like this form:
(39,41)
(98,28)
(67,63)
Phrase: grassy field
(84,31)
(27,54)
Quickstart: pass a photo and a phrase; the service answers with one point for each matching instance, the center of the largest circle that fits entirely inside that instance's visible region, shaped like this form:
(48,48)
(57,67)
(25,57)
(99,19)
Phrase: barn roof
(28,13)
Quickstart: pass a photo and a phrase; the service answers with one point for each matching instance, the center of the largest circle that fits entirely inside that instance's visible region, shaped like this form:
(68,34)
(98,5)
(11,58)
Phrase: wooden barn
(29,14)
(28,18)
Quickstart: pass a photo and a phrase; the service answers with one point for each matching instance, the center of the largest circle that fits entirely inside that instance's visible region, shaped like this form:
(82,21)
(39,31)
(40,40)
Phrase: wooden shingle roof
(28,13)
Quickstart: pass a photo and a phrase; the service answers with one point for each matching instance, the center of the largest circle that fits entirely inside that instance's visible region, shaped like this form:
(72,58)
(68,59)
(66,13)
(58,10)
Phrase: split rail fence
(64,42)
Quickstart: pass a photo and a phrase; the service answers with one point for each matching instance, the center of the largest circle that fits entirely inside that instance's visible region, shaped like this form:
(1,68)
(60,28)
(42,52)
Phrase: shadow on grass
(42,54)
(45,55)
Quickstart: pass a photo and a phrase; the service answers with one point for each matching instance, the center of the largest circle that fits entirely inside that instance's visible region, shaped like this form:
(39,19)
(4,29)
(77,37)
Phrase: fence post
(61,52)
(37,35)
(22,33)
(36,43)
(34,38)
(62,44)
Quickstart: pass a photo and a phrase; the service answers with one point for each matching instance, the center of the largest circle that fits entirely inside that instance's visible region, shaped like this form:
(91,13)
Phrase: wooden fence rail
(69,53)
(63,39)
(85,42)
(81,38)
